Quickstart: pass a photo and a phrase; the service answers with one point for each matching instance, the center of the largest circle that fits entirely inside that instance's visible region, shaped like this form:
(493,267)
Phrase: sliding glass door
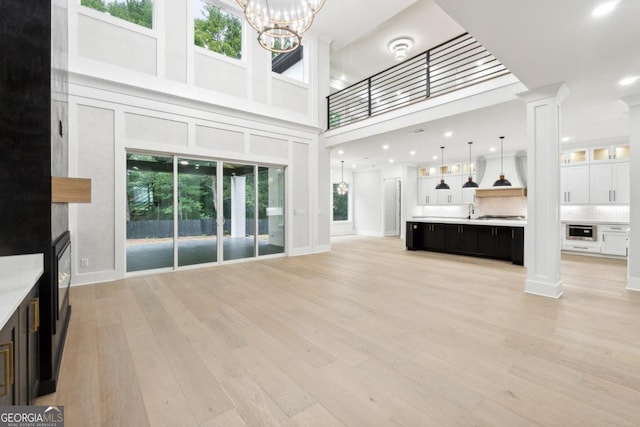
(197,212)
(185,211)
(150,231)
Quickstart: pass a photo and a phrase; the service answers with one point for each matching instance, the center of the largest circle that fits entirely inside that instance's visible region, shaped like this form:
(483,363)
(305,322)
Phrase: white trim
(633,283)
(551,290)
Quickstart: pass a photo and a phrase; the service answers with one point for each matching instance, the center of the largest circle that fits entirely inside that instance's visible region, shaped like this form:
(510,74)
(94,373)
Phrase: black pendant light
(443,185)
(502,182)
(470,183)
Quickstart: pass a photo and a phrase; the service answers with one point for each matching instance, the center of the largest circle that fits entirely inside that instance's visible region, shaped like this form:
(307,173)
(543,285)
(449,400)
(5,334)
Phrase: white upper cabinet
(574,184)
(610,183)
(574,157)
(607,153)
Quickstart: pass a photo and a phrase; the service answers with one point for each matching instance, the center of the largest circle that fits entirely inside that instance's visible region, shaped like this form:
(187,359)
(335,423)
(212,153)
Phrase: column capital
(632,100)
(557,90)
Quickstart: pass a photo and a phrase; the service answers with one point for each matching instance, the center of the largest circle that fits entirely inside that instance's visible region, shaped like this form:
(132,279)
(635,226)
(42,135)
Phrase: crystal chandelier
(343,187)
(280,23)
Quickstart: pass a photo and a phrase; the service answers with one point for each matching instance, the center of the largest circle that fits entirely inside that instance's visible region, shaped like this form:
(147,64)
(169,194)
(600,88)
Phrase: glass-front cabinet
(609,153)
(574,157)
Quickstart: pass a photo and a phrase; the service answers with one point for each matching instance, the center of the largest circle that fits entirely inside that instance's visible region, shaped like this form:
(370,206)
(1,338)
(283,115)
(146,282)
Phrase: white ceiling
(542,42)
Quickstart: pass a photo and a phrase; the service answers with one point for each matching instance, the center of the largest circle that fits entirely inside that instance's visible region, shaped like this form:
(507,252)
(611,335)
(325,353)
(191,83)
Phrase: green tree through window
(217,30)
(340,205)
(136,11)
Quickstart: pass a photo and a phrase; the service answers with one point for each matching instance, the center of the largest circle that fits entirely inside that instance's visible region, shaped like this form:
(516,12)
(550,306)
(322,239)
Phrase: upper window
(139,12)
(290,64)
(217,30)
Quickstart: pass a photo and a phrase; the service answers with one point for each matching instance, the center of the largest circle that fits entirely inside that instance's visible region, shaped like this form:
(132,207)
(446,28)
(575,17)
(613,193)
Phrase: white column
(238,206)
(543,231)
(633,268)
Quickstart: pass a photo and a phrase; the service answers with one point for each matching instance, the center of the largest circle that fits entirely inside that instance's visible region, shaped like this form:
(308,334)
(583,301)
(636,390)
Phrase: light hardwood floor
(366,335)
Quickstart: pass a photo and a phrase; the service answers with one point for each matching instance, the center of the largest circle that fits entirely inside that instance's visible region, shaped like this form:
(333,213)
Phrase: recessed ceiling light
(629,80)
(353,166)
(385,147)
(343,78)
(435,157)
(340,151)
(448,134)
(412,153)
(390,160)
(605,8)
(566,138)
(492,149)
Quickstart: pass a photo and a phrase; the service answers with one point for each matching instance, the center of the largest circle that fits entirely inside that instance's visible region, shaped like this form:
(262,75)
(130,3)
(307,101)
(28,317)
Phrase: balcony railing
(452,65)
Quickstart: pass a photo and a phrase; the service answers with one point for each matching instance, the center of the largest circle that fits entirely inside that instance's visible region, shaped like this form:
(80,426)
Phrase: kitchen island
(496,238)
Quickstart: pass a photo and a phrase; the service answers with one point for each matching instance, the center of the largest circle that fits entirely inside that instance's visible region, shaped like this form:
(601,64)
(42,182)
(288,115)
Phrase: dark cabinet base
(496,242)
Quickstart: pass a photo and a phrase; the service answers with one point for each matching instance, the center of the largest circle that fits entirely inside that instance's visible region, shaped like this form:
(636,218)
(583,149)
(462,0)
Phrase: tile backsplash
(595,213)
(515,206)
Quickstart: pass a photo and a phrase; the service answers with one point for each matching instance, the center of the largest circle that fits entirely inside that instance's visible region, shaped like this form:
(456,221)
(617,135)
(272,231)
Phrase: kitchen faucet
(471,210)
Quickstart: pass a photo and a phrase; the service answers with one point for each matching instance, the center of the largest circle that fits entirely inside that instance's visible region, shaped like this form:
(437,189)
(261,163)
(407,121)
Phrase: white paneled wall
(152,90)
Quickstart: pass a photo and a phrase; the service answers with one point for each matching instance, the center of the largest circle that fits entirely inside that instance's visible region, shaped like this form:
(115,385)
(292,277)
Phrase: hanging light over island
(470,183)
(502,182)
(443,185)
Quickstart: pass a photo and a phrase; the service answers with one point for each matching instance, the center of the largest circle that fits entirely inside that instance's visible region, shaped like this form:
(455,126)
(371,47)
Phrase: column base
(550,290)
(633,283)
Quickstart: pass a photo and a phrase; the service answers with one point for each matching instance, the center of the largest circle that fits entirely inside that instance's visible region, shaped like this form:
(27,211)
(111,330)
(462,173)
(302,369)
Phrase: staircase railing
(452,65)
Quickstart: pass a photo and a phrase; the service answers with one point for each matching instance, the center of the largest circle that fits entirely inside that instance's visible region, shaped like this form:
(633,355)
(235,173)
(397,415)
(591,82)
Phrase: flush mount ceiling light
(343,187)
(443,185)
(280,23)
(400,47)
(604,8)
(629,80)
(502,182)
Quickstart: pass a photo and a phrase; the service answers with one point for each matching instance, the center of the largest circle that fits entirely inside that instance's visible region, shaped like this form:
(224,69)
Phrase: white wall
(367,202)
(136,89)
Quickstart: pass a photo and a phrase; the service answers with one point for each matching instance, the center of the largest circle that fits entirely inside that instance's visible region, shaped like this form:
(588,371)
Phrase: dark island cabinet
(498,242)
(462,239)
(434,237)
(517,245)
(495,242)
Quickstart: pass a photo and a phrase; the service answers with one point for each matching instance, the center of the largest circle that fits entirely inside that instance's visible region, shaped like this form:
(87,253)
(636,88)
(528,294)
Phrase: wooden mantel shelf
(502,192)
(70,190)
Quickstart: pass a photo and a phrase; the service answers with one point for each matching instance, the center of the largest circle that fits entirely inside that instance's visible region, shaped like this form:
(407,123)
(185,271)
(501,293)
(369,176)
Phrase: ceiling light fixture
(470,183)
(343,187)
(400,47)
(604,8)
(280,23)
(629,80)
(448,134)
(502,182)
(443,185)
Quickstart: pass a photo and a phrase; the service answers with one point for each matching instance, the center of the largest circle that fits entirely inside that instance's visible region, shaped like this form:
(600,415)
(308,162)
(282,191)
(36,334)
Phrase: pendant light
(502,182)
(470,183)
(443,185)
(343,187)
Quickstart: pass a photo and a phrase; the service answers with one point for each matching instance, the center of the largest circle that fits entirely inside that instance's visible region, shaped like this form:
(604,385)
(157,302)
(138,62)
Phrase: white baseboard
(633,283)
(549,290)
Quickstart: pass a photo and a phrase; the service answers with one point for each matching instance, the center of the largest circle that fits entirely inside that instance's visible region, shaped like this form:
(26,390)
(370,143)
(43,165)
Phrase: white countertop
(18,275)
(593,221)
(448,220)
